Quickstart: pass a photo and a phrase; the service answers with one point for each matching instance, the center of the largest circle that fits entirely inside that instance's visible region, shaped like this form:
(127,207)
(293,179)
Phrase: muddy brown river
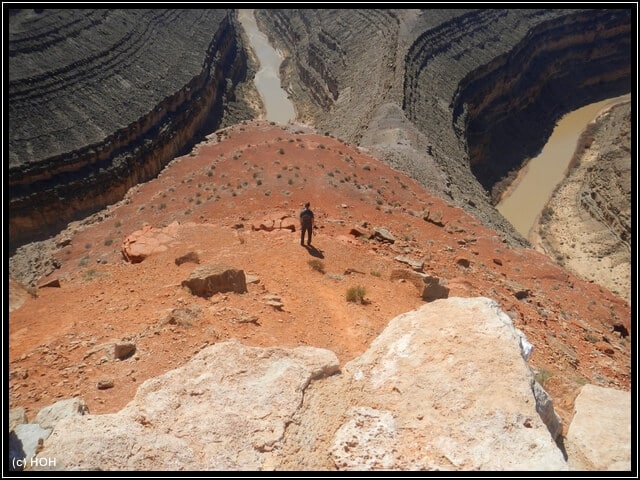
(276,101)
(536,182)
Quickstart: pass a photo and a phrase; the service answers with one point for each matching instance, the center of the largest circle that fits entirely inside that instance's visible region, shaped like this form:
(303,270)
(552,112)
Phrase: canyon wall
(457,98)
(100,100)
(559,66)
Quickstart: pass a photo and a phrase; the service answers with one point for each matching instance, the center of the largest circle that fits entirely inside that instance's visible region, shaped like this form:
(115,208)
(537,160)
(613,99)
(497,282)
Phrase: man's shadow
(313,251)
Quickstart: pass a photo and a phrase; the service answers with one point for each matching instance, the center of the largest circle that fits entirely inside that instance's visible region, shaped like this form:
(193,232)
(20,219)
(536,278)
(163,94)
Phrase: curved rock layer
(484,87)
(559,66)
(101,100)
(340,64)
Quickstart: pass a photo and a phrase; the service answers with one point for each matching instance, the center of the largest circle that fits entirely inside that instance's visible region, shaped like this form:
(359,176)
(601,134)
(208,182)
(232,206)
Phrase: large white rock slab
(599,436)
(223,410)
(445,387)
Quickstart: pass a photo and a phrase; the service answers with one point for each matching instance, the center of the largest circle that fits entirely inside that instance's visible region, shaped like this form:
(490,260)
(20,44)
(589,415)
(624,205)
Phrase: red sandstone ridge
(215,200)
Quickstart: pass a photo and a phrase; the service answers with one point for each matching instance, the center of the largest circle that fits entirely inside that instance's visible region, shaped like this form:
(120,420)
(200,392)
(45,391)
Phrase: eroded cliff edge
(456,98)
(100,100)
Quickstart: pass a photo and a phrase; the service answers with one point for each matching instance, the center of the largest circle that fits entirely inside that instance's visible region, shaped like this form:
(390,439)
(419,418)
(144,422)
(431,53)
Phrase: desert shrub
(356,294)
(91,274)
(316,265)
(542,376)
(590,338)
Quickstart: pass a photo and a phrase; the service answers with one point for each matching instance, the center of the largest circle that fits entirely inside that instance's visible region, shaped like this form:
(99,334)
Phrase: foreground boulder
(599,437)
(444,387)
(224,410)
(48,416)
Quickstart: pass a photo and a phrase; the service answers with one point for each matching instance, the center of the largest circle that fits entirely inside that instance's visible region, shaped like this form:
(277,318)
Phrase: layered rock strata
(100,100)
(510,105)
(459,96)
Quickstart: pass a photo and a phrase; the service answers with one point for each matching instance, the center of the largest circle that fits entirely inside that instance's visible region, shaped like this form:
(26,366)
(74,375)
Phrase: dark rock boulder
(208,280)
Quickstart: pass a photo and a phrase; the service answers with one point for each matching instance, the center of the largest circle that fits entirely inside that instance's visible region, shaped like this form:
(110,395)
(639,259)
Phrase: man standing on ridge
(306,224)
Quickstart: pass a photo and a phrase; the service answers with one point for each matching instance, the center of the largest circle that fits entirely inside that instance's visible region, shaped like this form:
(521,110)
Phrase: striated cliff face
(606,193)
(340,64)
(512,103)
(101,100)
(482,87)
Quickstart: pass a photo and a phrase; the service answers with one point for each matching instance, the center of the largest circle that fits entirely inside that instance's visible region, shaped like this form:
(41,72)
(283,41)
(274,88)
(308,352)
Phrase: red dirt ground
(255,171)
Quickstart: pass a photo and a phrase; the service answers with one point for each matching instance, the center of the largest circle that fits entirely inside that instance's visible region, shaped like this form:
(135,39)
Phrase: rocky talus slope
(100,100)
(483,88)
(98,326)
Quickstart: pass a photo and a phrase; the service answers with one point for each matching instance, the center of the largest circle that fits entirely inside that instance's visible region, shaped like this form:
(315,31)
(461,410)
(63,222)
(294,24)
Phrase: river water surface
(543,173)
(276,101)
